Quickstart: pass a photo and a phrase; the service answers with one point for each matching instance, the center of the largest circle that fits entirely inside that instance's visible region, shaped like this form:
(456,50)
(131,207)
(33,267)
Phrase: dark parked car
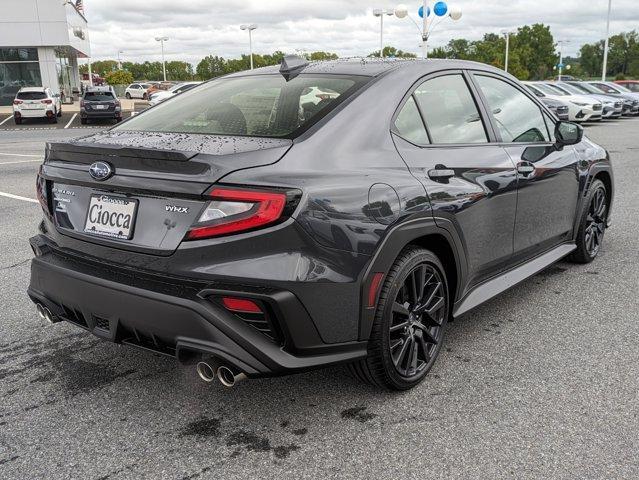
(100,103)
(253,234)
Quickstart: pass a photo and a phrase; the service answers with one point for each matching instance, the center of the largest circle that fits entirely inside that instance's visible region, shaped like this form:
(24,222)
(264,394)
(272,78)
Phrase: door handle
(525,168)
(440,172)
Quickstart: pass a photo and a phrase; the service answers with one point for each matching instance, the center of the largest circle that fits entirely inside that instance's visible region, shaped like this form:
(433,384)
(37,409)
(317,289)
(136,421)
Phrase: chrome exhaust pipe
(40,310)
(48,315)
(206,371)
(227,378)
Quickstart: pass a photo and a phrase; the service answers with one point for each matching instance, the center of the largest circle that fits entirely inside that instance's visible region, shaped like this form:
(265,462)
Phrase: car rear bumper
(180,318)
(39,113)
(100,114)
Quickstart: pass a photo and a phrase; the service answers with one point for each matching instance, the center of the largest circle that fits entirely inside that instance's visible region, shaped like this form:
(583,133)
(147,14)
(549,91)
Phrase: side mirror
(568,133)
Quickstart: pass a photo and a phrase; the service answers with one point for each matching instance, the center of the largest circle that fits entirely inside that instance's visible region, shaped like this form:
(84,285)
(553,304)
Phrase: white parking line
(18,197)
(70,121)
(6,120)
(20,155)
(22,161)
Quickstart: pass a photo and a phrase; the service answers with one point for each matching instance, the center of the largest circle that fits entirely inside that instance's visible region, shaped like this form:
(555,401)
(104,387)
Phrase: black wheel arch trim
(389,249)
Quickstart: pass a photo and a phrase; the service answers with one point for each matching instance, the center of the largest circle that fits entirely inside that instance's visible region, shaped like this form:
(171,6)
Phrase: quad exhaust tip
(227,377)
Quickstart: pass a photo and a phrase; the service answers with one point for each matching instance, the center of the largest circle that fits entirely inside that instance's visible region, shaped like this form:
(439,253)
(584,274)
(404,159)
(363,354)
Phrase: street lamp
(119,61)
(440,10)
(506,33)
(561,57)
(162,40)
(250,28)
(605,59)
(380,12)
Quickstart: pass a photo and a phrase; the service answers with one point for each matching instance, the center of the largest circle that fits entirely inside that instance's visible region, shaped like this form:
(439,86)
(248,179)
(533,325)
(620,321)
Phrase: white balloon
(455,13)
(401,11)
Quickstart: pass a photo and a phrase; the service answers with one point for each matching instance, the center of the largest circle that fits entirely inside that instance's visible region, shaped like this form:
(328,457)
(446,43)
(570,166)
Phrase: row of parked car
(147,90)
(579,101)
(98,102)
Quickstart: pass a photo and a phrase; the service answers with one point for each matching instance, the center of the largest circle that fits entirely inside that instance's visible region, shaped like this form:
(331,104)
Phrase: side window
(518,118)
(449,110)
(550,124)
(409,123)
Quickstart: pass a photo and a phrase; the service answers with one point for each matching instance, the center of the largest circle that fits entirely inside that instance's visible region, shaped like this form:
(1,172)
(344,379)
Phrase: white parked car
(580,107)
(137,90)
(36,102)
(157,97)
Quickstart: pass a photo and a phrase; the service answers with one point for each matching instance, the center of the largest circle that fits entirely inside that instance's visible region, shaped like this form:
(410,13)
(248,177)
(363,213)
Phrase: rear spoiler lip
(110,150)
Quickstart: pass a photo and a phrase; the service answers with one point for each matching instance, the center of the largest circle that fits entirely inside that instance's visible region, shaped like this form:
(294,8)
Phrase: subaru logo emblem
(100,170)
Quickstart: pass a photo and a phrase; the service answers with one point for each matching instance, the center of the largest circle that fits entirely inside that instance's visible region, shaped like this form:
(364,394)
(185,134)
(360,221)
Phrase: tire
(83,121)
(128,96)
(401,358)
(144,96)
(60,112)
(53,118)
(592,224)
(18,121)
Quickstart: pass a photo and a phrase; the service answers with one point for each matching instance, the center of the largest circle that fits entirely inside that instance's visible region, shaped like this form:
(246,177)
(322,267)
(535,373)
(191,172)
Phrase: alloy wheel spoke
(426,335)
(400,308)
(399,326)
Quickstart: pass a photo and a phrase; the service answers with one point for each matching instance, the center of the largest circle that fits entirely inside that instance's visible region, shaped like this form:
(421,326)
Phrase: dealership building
(40,44)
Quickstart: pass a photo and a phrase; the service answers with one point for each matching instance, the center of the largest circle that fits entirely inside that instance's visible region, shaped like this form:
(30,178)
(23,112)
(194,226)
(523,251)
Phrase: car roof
(372,67)
(98,89)
(32,89)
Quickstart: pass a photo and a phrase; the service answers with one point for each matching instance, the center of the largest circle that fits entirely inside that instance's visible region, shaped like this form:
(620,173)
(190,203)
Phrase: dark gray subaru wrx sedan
(304,215)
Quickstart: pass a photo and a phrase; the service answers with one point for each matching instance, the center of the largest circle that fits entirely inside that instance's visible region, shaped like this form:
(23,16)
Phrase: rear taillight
(81,103)
(236,210)
(17,102)
(41,193)
(48,101)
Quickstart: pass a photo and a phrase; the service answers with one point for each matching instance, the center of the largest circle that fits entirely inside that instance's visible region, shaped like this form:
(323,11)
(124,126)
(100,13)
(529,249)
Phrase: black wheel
(83,121)
(53,118)
(17,120)
(593,224)
(60,112)
(128,95)
(409,322)
(144,96)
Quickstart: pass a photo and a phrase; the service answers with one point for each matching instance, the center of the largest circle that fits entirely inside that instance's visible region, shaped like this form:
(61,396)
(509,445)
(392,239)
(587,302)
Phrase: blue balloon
(421,11)
(440,9)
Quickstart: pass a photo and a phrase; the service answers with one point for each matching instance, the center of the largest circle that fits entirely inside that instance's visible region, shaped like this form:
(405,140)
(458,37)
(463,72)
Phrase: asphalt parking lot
(541,382)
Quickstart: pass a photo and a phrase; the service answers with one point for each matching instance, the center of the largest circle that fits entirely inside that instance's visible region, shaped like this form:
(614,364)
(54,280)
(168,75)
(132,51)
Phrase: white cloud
(201,27)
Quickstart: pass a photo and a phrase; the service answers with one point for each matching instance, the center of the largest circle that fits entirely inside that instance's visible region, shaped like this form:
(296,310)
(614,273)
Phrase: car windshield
(548,90)
(567,87)
(145,85)
(602,87)
(585,88)
(256,105)
(98,96)
(31,96)
(623,89)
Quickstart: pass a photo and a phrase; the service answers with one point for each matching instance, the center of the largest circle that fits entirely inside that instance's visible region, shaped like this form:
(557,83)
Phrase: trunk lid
(154,191)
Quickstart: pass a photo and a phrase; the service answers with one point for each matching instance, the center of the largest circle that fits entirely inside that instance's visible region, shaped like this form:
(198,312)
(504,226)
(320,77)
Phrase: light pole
(119,61)
(379,12)
(250,28)
(605,59)
(162,40)
(440,9)
(506,33)
(561,57)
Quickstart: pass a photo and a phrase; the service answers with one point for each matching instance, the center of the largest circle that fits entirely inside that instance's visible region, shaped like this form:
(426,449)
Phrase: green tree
(536,48)
(318,56)
(119,77)
(211,67)
(392,52)
(591,58)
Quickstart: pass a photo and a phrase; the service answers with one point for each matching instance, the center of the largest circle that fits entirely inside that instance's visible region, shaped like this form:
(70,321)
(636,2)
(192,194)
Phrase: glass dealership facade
(40,43)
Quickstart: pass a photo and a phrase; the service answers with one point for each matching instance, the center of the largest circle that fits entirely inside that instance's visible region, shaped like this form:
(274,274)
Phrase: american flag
(79,5)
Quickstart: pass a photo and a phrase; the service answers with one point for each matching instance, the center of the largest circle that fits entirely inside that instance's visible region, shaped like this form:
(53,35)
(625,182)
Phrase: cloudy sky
(201,27)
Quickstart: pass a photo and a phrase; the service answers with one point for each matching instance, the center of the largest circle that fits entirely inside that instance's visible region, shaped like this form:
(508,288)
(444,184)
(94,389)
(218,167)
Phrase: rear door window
(409,124)
(518,118)
(449,111)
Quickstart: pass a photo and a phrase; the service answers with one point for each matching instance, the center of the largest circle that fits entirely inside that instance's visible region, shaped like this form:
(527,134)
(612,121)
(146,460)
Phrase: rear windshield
(32,96)
(98,96)
(259,105)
